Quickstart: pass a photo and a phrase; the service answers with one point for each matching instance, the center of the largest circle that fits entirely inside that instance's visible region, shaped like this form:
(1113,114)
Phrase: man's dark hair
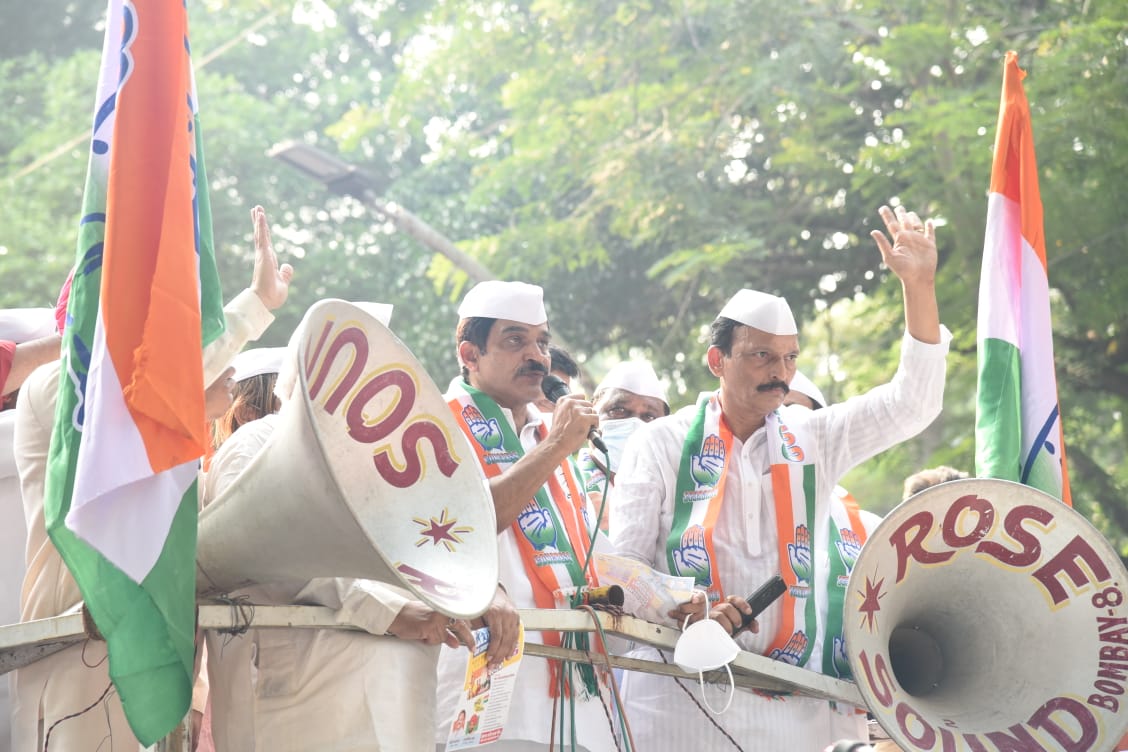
(720,334)
(562,362)
(476,331)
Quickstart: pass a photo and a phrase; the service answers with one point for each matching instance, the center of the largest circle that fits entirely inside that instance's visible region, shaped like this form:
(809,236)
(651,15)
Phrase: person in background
(629,396)
(803,392)
(733,490)
(28,339)
(564,367)
(254,373)
(17,326)
(67,682)
(933,476)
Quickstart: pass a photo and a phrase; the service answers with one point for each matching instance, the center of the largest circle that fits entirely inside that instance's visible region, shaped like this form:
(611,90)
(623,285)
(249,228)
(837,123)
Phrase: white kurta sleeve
(247,318)
(861,427)
(642,492)
(373,606)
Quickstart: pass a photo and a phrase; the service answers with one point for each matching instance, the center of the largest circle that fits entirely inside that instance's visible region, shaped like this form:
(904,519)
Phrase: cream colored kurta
(530,715)
(300,690)
(72,679)
(13,534)
(662,716)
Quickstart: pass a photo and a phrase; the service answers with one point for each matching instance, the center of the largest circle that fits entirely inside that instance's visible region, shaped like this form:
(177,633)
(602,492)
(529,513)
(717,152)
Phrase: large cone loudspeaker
(987,615)
(366,475)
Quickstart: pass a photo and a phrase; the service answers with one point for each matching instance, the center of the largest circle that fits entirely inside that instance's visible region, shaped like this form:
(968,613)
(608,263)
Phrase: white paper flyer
(483,707)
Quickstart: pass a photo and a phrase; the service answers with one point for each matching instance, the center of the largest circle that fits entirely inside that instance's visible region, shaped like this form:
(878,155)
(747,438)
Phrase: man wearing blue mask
(629,397)
(736,488)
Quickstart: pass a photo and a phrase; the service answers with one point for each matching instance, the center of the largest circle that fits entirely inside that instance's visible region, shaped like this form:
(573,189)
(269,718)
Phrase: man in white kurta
(274,690)
(504,354)
(17,326)
(745,540)
(12,537)
(70,680)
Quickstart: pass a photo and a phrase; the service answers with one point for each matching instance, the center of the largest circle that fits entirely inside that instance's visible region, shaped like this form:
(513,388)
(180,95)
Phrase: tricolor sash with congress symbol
(699,495)
(552,530)
(813,602)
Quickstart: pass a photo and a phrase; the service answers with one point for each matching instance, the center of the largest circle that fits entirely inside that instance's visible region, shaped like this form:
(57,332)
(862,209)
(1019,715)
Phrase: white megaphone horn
(366,475)
(987,615)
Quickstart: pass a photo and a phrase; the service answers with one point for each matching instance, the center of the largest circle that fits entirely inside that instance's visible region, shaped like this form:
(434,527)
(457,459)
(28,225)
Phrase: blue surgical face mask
(615,435)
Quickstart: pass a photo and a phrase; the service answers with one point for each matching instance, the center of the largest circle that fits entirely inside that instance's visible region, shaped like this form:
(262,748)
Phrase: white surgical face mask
(615,434)
(706,646)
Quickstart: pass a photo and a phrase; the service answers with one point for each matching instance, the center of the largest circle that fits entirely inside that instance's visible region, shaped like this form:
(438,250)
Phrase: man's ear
(716,360)
(468,354)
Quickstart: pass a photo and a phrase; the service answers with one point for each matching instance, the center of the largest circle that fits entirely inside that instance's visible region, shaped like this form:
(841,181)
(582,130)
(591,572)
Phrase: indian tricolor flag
(1018,428)
(129,428)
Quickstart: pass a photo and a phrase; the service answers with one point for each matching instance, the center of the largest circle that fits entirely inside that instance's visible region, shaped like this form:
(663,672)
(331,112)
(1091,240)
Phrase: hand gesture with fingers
(910,248)
(270,281)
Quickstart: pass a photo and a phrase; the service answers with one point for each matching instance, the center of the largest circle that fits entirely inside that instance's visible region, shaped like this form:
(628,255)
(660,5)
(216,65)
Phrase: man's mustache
(532,367)
(767,387)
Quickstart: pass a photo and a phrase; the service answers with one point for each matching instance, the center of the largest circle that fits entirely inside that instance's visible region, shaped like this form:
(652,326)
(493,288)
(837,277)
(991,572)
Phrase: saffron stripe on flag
(129,424)
(1018,432)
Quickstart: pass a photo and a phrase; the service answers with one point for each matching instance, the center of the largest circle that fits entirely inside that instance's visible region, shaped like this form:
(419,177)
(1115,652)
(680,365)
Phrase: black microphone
(554,389)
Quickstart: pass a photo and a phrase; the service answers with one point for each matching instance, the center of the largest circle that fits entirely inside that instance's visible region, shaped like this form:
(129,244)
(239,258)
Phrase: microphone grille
(553,387)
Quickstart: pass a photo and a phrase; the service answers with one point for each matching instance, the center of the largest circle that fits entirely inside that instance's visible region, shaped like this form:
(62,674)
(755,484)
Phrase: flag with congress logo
(120,501)
(1018,426)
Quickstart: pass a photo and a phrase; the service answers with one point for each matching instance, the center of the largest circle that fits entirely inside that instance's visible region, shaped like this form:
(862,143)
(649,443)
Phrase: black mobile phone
(764,596)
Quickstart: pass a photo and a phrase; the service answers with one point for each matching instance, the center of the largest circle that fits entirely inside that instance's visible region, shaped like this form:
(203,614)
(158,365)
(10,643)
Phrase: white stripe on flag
(119,506)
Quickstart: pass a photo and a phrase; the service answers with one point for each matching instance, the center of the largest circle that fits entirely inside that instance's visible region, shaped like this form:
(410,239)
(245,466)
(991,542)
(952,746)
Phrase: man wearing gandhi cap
(804,393)
(27,340)
(734,489)
(629,396)
(543,530)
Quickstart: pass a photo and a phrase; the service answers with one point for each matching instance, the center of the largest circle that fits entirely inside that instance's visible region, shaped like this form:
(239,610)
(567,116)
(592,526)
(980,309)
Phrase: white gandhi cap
(803,385)
(495,299)
(258,361)
(634,376)
(759,310)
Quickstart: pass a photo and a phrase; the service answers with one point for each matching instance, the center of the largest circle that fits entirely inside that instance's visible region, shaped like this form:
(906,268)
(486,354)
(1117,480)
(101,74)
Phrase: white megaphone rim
(473,594)
(992,568)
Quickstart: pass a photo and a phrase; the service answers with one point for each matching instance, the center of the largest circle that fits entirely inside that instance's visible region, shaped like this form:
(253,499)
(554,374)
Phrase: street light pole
(345,179)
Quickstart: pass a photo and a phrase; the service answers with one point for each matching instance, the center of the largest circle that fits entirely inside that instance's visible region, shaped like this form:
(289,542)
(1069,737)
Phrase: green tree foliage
(643,160)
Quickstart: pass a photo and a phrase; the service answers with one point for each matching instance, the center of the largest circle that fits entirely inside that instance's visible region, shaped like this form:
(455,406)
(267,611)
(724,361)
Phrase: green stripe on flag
(211,301)
(998,411)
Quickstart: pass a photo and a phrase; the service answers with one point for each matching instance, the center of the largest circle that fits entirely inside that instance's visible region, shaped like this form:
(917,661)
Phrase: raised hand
(486,432)
(706,467)
(910,248)
(270,281)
